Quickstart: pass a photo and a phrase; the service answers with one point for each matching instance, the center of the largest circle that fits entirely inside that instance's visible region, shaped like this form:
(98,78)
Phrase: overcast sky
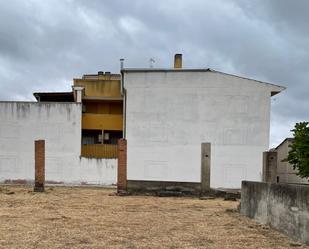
(45,44)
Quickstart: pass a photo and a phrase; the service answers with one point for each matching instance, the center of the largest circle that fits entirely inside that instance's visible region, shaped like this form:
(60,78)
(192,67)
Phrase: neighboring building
(102,118)
(196,128)
(80,128)
(59,124)
(277,169)
(102,107)
(170,113)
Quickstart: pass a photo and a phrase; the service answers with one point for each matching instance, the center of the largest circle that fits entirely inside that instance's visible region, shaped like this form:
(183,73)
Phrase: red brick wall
(39,165)
(122,165)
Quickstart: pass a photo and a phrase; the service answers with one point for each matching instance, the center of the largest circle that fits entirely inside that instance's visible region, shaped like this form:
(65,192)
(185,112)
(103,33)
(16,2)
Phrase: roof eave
(276,89)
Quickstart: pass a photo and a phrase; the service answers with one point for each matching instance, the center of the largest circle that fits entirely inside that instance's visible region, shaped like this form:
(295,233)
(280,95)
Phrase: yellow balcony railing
(102,121)
(99,150)
(100,88)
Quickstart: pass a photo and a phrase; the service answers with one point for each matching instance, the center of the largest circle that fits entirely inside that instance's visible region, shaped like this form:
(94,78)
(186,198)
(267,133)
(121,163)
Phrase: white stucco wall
(169,115)
(59,124)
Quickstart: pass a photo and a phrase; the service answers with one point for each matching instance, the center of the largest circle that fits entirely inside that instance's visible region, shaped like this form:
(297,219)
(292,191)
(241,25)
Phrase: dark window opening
(91,136)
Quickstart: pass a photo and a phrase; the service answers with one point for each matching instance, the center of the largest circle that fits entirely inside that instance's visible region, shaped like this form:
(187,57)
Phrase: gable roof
(276,88)
(288,139)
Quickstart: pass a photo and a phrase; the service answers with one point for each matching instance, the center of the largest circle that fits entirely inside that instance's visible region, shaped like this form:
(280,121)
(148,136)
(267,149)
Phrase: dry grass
(92,218)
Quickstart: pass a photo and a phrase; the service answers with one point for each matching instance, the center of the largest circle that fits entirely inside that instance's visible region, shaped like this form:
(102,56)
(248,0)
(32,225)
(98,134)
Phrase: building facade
(277,169)
(196,128)
(170,113)
(59,124)
(80,128)
(102,117)
(102,112)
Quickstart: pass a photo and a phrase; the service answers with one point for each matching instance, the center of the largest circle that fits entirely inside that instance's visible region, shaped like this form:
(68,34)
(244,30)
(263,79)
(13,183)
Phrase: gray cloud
(45,44)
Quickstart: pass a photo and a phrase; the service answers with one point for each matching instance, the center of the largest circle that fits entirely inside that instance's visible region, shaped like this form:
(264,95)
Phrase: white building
(59,124)
(171,112)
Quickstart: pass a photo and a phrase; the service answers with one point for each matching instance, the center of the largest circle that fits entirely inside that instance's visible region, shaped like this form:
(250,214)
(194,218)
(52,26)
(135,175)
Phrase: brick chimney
(178,61)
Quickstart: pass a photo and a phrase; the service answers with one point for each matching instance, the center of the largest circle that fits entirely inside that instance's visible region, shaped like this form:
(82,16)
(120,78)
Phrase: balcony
(100,88)
(93,121)
(99,150)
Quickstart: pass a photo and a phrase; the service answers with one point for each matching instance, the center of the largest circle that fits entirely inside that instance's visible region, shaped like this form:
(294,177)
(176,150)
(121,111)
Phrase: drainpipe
(123,94)
(121,67)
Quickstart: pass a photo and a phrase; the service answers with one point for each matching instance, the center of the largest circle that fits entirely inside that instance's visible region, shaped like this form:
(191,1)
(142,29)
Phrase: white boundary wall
(59,124)
(169,114)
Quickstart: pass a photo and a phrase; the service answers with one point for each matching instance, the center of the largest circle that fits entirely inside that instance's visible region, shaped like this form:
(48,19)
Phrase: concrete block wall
(269,166)
(59,124)
(284,206)
(99,171)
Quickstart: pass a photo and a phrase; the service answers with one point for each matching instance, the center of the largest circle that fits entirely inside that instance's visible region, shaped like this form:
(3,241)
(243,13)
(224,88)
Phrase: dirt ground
(67,217)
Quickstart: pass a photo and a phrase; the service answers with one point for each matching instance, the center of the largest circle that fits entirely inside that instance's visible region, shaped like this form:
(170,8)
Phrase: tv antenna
(151,62)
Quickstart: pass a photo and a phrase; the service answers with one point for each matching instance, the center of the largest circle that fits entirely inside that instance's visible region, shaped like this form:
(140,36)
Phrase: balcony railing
(92,121)
(99,150)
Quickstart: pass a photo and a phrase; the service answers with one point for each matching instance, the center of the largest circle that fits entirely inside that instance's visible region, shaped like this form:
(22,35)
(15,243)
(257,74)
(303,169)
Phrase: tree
(298,155)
